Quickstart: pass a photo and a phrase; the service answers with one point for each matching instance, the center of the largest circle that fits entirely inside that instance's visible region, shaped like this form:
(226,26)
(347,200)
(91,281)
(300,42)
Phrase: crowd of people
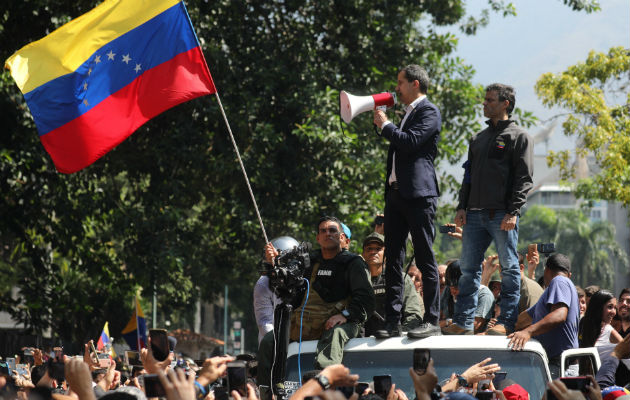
(84,378)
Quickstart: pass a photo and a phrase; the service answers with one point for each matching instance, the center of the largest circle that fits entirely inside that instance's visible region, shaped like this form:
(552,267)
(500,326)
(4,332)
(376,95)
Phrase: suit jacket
(415,145)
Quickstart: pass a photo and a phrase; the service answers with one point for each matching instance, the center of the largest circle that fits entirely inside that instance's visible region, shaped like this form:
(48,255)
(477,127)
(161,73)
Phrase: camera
(546,248)
(285,277)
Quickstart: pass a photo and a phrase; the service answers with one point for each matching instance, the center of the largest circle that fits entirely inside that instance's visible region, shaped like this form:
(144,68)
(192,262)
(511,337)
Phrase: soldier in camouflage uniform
(413,308)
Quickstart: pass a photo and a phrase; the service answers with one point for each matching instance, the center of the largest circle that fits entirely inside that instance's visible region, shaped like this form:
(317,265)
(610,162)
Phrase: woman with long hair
(595,328)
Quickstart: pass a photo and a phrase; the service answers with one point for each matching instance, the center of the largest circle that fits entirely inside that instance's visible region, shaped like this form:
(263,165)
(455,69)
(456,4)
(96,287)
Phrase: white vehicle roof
(433,342)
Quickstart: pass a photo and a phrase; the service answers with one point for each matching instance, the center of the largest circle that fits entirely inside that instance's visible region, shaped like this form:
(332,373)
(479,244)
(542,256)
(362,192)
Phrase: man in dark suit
(411,193)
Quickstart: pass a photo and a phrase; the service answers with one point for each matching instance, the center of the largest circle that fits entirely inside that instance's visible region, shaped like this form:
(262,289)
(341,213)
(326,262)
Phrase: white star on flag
(97,59)
(137,68)
(110,55)
(126,58)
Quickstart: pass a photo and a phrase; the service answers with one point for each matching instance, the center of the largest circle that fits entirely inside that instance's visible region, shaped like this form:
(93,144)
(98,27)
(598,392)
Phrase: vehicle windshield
(525,368)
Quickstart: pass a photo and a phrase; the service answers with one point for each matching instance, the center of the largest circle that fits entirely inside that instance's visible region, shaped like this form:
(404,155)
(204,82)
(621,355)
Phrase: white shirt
(604,336)
(265,301)
(408,110)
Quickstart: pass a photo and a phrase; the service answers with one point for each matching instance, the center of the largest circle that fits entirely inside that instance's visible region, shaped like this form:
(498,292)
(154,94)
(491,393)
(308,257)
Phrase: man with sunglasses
(340,299)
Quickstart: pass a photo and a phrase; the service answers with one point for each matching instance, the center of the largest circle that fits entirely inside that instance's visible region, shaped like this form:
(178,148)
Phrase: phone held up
(159,343)
(447,229)
(421,359)
(237,377)
(382,385)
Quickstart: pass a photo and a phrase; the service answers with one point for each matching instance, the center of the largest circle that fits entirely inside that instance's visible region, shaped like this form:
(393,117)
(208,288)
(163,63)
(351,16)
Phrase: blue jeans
(482,227)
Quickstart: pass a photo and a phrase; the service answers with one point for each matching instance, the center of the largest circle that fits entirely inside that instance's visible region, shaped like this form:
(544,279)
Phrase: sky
(544,36)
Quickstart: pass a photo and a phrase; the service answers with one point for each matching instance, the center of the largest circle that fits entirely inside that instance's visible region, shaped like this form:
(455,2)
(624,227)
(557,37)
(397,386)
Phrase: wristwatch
(346,313)
(323,381)
(461,381)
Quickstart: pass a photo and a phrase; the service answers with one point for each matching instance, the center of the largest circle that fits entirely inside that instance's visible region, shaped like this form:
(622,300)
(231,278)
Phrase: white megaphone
(351,106)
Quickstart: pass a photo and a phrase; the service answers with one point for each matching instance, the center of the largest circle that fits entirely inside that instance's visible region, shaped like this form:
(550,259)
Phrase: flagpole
(238,155)
(137,324)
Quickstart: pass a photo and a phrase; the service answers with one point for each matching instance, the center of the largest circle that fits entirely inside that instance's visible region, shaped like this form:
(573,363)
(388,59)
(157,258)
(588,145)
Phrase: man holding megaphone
(411,193)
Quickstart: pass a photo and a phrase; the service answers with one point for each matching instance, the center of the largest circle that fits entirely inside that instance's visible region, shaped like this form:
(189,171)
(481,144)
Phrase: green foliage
(596,94)
(590,245)
(588,6)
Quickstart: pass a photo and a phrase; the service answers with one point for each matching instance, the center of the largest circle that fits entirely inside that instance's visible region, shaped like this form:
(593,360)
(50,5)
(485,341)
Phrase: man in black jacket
(497,178)
(411,193)
(339,301)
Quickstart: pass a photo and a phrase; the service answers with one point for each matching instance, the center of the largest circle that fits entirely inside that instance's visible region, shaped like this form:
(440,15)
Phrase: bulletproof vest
(331,281)
(374,321)
(317,310)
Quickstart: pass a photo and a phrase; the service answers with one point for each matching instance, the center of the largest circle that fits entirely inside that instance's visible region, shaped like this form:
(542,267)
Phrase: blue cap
(346,230)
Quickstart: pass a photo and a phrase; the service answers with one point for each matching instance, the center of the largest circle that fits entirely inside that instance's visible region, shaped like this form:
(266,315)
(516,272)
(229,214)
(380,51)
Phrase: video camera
(285,276)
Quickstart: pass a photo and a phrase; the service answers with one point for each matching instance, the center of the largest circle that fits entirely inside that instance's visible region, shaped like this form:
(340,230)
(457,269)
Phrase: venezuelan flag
(104,341)
(94,81)
(135,333)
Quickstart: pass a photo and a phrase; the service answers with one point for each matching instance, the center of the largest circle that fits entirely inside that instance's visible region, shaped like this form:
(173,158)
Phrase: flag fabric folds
(104,342)
(92,82)
(135,333)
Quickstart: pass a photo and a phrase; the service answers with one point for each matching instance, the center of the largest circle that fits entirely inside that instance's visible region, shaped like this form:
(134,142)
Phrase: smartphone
(22,370)
(152,386)
(221,393)
(421,359)
(93,353)
(498,377)
(28,351)
(11,365)
(447,229)
(379,219)
(577,382)
(382,385)
(237,377)
(361,387)
(484,395)
(531,249)
(483,384)
(104,363)
(346,390)
(159,344)
(132,358)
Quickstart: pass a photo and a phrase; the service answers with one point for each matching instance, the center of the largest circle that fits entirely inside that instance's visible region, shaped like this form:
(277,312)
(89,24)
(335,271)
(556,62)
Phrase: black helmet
(284,243)
(452,274)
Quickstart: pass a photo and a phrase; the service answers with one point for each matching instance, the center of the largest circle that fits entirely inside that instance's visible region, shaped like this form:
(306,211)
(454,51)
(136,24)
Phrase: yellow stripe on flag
(64,50)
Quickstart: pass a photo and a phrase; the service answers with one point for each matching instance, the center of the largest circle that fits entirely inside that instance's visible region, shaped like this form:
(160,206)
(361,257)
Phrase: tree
(592,248)
(590,245)
(596,94)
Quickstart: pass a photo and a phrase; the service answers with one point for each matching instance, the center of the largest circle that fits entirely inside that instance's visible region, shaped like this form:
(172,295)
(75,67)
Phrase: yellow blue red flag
(104,341)
(135,333)
(95,80)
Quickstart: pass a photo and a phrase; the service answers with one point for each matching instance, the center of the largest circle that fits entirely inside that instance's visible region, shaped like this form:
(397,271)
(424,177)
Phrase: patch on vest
(324,272)
(379,291)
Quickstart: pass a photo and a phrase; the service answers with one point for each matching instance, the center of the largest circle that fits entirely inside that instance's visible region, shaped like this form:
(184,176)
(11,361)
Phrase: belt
(394,185)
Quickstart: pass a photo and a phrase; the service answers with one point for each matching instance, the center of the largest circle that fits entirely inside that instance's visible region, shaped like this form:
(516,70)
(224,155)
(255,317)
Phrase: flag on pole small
(135,333)
(95,80)
(104,342)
